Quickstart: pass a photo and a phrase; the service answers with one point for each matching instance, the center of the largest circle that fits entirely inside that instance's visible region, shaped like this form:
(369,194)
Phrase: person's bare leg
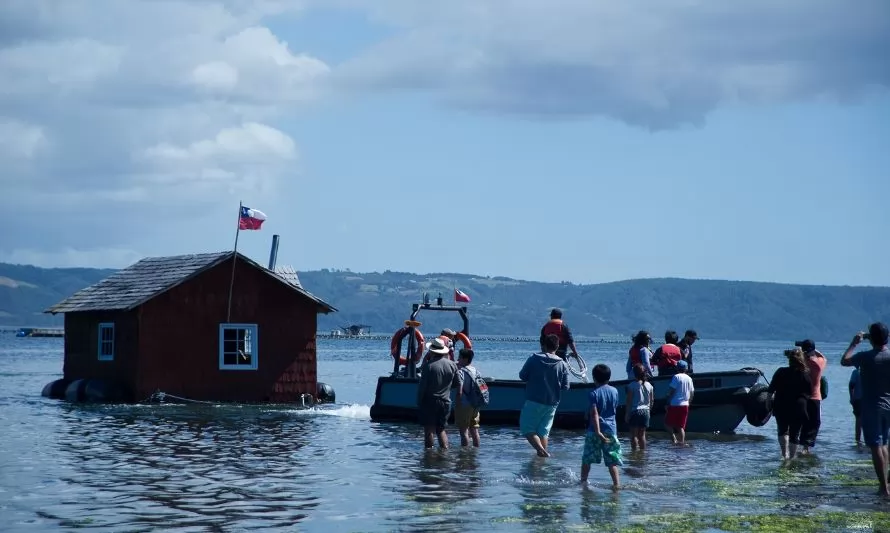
(682,436)
(544,442)
(858,429)
(475,433)
(613,472)
(886,453)
(585,471)
(535,441)
(443,439)
(783,446)
(643,438)
(673,431)
(792,450)
(428,436)
(879,461)
(464,436)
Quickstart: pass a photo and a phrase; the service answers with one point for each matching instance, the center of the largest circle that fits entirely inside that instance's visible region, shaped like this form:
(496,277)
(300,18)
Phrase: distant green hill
(717,309)
(25,291)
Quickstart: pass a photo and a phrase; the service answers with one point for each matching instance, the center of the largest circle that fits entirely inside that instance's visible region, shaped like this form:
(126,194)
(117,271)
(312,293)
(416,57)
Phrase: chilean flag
(251,218)
(461,296)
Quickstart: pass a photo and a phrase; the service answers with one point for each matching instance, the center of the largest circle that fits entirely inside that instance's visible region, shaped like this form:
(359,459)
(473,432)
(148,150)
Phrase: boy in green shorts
(601,443)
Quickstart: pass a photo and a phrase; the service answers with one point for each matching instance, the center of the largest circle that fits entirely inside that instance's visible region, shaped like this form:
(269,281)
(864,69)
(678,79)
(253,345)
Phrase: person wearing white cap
(438,376)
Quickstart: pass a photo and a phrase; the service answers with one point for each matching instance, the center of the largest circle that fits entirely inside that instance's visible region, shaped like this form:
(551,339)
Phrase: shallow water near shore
(254,468)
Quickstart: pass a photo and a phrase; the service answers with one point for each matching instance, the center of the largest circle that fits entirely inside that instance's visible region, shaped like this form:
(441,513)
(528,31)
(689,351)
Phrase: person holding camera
(790,389)
(874,372)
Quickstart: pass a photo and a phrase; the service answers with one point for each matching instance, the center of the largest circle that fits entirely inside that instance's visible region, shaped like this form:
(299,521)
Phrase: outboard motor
(325,393)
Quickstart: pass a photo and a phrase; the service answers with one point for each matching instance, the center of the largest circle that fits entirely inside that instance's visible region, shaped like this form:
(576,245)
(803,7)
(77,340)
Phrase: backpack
(823,387)
(480,388)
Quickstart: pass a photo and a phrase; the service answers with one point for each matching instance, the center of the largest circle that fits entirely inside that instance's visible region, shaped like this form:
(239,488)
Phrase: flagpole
(234,260)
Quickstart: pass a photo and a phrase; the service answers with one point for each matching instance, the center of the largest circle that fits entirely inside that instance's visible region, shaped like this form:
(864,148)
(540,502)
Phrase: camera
(866,336)
(789,353)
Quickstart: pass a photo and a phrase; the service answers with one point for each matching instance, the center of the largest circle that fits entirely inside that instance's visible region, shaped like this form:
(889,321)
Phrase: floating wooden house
(161,325)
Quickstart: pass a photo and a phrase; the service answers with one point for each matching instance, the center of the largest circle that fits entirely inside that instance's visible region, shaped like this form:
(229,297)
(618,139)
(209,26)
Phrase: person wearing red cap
(816,365)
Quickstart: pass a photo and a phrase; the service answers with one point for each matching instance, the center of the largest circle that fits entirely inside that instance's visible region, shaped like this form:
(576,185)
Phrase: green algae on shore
(818,522)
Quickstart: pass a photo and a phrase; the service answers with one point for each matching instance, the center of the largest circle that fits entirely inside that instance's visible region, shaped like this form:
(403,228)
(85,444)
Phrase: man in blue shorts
(545,375)
(874,372)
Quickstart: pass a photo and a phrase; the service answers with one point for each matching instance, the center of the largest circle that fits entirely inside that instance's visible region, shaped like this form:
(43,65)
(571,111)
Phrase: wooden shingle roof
(133,286)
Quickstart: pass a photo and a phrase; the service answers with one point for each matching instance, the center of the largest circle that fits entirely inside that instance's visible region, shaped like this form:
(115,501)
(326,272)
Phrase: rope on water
(159,396)
(759,372)
(581,373)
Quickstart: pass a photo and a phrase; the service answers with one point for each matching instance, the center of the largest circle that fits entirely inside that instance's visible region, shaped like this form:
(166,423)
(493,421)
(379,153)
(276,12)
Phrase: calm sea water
(228,468)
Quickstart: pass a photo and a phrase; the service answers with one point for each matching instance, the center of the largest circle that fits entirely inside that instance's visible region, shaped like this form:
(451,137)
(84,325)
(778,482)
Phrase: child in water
(638,407)
(601,443)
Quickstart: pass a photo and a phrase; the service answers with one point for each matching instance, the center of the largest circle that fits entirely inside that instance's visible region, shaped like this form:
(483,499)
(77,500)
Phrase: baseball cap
(806,345)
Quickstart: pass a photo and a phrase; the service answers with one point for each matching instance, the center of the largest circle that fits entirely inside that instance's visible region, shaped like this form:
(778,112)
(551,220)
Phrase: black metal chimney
(273,254)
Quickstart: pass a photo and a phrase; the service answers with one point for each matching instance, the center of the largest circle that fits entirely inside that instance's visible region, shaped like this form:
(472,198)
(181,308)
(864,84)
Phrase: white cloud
(656,65)
(57,67)
(70,257)
(251,141)
(193,87)
(246,157)
(215,75)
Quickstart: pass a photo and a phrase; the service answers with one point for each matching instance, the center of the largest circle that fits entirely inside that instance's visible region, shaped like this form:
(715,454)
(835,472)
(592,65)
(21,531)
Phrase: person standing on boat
(790,390)
(556,326)
(680,393)
(816,364)
(434,393)
(639,354)
(447,337)
(685,346)
(545,375)
(874,368)
(667,355)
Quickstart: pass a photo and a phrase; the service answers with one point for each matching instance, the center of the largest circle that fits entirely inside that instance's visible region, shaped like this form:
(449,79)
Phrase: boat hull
(717,407)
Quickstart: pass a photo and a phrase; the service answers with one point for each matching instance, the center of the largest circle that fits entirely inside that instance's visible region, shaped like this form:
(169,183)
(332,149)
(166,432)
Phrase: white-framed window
(238,346)
(106,341)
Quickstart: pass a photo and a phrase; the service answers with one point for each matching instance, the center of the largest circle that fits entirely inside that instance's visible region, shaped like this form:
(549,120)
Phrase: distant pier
(40,332)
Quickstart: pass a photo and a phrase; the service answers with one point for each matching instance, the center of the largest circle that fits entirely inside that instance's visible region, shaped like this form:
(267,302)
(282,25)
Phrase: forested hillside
(717,309)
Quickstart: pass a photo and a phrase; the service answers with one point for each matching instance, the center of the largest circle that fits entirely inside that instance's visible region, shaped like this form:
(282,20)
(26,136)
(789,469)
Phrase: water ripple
(245,468)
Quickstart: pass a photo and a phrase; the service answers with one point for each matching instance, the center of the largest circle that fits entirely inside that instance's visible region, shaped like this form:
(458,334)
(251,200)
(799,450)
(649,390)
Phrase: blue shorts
(596,451)
(639,419)
(536,418)
(875,426)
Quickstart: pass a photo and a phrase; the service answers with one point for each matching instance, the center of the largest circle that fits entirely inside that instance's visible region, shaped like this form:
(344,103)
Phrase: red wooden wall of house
(179,338)
(82,347)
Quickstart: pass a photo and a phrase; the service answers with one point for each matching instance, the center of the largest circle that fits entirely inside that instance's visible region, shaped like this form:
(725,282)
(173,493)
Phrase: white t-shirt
(639,396)
(682,385)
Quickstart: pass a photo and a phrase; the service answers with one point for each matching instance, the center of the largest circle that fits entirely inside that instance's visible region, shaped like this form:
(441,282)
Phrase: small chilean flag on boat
(460,296)
(251,218)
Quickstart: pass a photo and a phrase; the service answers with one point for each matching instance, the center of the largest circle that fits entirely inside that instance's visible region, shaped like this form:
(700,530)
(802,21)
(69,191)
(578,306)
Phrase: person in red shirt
(816,365)
(555,326)
(668,354)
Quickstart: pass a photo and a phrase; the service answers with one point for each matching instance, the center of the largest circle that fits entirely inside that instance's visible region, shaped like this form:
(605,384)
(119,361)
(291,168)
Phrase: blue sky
(584,141)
